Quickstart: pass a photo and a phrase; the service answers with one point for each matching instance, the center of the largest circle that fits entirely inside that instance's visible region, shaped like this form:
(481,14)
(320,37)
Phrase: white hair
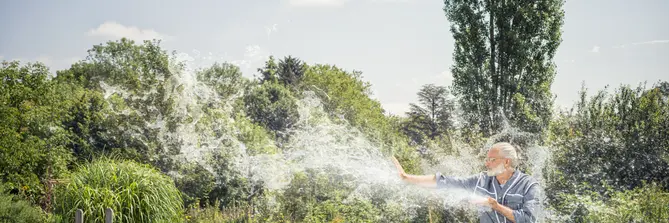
(507,151)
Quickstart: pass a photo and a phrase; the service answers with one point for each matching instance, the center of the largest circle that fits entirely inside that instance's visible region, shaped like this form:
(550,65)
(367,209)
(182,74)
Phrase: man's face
(495,162)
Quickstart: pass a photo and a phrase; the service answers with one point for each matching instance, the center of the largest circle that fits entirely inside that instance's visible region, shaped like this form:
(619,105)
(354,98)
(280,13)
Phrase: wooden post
(109,215)
(429,212)
(79,216)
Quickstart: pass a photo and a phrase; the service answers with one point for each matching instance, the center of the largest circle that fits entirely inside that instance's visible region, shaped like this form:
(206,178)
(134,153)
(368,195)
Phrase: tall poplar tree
(503,60)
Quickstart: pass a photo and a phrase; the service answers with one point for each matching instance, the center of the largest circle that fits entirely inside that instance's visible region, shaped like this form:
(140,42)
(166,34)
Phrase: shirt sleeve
(460,182)
(530,209)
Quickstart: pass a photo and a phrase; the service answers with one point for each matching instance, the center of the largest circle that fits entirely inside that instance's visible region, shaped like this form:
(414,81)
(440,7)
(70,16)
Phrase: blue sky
(399,45)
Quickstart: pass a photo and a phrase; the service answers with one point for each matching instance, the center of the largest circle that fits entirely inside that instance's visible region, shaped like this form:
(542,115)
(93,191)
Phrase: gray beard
(499,169)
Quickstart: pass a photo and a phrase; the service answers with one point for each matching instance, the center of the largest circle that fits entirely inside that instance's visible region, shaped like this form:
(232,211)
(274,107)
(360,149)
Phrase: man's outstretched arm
(437,180)
(422,180)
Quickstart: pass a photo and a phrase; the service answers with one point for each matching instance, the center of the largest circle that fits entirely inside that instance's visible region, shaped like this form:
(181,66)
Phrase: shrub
(643,204)
(135,192)
(15,209)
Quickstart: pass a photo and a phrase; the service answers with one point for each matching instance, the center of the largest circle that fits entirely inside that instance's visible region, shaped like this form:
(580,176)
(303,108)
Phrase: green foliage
(313,196)
(345,93)
(131,101)
(432,117)
(138,85)
(644,204)
(208,214)
(15,209)
(133,67)
(232,188)
(272,105)
(503,61)
(337,211)
(32,140)
(195,183)
(255,137)
(89,122)
(269,71)
(289,71)
(346,96)
(619,140)
(135,192)
(225,78)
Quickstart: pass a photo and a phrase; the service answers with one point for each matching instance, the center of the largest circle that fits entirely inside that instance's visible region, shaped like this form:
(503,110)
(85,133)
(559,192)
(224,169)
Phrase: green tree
(432,117)
(86,119)
(225,78)
(616,141)
(503,60)
(126,86)
(32,141)
(132,102)
(289,71)
(269,71)
(272,105)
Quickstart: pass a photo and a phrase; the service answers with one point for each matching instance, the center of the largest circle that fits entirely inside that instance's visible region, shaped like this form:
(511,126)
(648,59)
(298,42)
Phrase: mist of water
(315,143)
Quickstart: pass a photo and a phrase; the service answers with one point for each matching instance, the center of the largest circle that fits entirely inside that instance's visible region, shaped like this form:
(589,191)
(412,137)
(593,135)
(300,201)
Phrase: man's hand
(422,180)
(488,202)
(492,203)
(400,170)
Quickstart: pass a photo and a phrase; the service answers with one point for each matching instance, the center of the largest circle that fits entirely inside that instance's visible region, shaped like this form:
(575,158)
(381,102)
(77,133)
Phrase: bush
(204,215)
(14,209)
(135,192)
(643,204)
(618,140)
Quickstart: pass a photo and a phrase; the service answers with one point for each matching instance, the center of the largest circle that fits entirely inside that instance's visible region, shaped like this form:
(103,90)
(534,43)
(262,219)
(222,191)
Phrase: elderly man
(511,194)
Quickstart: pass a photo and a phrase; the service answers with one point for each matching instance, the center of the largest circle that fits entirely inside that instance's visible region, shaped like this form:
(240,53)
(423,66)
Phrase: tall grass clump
(135,192)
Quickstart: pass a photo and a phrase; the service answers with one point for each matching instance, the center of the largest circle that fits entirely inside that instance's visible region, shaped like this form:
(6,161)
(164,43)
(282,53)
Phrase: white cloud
(312,3)
(112,29)
(595,49)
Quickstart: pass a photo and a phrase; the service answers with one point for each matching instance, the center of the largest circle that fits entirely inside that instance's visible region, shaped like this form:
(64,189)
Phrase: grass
(135,192)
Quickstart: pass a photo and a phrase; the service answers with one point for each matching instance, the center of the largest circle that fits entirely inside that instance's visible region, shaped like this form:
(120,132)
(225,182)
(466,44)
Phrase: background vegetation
(609,152)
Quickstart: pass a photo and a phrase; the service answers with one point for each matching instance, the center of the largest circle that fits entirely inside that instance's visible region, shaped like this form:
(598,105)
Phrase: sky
(398,45)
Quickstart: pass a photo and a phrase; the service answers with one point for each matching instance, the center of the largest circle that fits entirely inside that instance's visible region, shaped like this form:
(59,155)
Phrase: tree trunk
(493,74)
